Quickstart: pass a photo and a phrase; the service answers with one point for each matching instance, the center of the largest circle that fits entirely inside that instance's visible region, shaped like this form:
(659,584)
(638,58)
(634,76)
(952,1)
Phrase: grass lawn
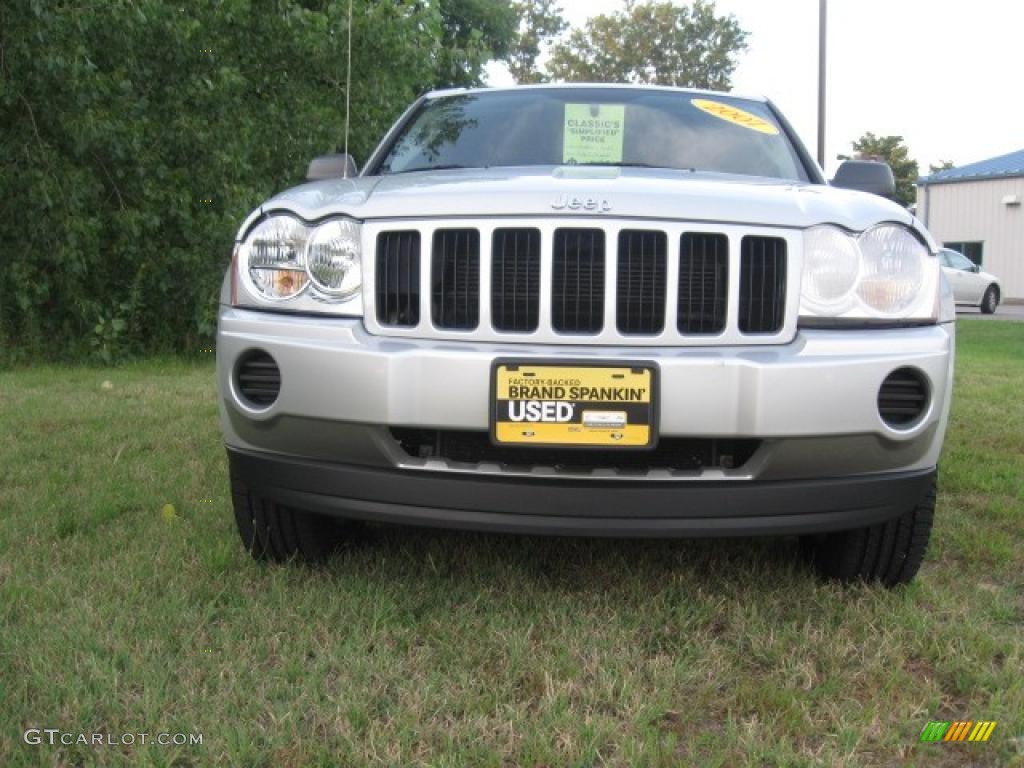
(417,647)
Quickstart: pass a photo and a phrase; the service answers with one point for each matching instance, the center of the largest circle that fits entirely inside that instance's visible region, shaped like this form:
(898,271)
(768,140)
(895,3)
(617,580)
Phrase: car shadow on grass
(567,562)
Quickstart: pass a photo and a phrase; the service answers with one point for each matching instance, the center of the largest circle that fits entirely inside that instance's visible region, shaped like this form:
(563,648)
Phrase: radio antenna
(348,84)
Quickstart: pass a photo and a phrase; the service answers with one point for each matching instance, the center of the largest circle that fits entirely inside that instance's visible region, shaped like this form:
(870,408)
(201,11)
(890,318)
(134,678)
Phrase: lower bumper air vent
(258,379)
(903,398)
(671,453)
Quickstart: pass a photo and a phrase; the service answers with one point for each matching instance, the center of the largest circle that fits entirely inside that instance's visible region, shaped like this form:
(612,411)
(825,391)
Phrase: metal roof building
(976,209)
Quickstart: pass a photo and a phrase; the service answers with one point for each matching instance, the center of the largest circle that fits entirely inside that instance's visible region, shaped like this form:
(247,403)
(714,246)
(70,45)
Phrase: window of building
(972,250)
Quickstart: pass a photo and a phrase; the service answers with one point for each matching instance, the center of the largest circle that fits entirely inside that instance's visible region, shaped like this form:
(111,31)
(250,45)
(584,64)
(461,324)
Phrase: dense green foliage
(473,30)
(135,135)
(891,150)
(653,42)
(540,21)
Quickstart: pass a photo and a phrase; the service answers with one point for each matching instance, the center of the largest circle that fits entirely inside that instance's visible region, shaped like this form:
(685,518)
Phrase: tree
(943,165)
(474,32)
(653,42)
(891,150)
(136,136)
(540,21)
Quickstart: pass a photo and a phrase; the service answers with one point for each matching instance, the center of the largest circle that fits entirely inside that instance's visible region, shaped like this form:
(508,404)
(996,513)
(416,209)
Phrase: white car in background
(970,285)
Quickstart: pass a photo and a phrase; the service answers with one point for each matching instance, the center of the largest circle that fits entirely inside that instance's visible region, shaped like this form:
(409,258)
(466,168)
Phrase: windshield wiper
(633,165)
(458,166)
(448,167)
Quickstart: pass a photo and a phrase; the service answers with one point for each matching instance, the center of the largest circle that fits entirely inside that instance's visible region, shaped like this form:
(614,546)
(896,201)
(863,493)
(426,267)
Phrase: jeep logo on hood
(565,202)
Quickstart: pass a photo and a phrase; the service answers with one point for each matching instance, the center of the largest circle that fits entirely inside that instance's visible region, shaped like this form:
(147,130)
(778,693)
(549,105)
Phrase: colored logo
(958,730)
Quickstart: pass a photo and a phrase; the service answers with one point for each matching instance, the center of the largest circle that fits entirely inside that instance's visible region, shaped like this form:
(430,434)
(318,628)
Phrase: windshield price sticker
(735,115)
(573,405)
(593,133)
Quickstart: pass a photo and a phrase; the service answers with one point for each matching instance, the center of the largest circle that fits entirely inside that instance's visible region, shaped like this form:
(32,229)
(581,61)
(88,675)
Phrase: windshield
(958,260)
(594,126)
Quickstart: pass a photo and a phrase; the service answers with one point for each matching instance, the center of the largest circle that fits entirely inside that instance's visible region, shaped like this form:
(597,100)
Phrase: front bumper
(580,508)
(812,403)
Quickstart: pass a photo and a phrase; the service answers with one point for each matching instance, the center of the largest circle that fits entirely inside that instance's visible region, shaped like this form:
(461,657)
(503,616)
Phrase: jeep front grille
(703,282)
(567,281)
(640,294)
(398,279)
(515,280)
(577,292)
(455,278)
(762,284)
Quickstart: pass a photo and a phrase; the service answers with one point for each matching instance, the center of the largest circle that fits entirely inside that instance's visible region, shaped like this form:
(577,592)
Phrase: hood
(583,192)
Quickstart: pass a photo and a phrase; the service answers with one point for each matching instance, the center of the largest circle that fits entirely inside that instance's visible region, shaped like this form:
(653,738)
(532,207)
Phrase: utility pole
(822,34)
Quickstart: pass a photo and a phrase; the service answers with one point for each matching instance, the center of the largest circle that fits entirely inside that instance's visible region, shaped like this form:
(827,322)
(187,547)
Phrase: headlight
(831,268)
(885,273)
(275,258)
(287,264)
(333,258)
(893,272)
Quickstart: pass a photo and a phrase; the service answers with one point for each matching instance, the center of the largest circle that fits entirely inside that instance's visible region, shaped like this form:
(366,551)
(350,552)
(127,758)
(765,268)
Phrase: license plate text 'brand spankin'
(573,405)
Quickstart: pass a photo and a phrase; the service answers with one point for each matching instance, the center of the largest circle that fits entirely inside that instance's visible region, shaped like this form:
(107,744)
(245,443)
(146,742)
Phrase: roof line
(1006,166)
(926,181)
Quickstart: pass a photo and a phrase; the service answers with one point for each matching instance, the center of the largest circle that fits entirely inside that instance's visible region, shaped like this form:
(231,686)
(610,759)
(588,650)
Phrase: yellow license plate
(575,404)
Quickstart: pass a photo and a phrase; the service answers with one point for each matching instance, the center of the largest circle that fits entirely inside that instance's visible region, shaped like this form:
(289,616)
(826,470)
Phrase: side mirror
(339,166)
(866,176)
(975,268)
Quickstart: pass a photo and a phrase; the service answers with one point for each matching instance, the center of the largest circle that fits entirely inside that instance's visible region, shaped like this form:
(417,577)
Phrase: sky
(945,75)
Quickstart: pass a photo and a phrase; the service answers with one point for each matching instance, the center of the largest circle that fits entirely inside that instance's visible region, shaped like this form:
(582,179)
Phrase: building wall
(973,210)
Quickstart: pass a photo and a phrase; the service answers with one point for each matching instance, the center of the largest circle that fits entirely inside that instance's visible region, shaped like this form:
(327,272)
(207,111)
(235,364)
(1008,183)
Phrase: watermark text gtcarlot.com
(55,737)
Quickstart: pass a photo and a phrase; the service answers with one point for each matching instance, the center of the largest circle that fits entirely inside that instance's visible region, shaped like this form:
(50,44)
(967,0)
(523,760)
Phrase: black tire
(888,553)
(990,300)
(273,532)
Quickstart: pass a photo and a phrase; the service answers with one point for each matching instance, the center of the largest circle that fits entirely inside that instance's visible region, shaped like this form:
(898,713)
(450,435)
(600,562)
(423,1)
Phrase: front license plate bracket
(574,404)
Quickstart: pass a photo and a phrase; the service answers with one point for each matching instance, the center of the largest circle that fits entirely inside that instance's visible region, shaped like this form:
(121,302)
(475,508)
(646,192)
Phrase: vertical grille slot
(640,290)
(515,280)
(703,283)
(762,284)
(398,279)
(455,279)
(577,301)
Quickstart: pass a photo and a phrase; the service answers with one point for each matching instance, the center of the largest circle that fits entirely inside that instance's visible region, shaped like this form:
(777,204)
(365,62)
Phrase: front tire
(273,532)
(990,300)
(889,553)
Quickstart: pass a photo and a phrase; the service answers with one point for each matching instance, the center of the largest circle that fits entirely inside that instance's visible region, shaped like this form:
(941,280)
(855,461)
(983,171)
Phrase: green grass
(445,649)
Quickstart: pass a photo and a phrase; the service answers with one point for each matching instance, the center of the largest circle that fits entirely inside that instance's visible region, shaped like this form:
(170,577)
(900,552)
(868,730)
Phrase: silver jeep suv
(589,310)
